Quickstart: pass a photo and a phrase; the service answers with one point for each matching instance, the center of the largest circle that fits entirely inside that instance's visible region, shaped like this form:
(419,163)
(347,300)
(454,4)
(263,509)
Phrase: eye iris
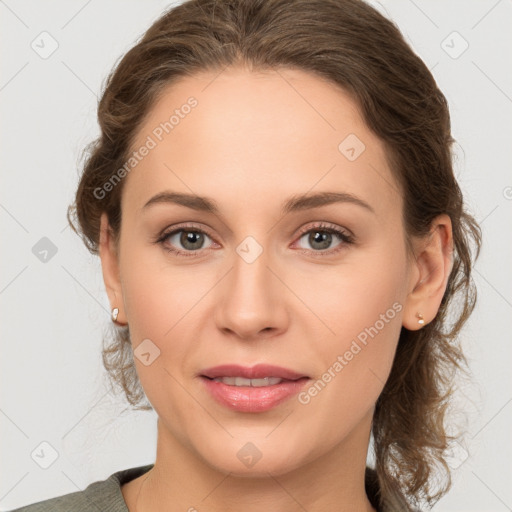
(190,237)
(324,239)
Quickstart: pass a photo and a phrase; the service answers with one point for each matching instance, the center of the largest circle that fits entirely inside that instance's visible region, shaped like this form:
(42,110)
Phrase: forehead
(239,134)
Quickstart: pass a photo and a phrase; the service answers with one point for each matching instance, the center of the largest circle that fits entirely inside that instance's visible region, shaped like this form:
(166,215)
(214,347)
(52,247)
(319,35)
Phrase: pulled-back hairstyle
(352,45)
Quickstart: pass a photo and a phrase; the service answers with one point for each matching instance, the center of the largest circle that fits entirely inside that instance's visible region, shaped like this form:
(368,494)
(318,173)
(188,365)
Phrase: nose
(252,301)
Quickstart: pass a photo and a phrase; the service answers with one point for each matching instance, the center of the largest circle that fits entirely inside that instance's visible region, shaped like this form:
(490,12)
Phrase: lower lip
(252,399)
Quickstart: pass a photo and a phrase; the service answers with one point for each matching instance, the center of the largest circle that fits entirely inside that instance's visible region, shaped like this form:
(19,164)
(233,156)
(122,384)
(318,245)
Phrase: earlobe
(433,265)
(110,270)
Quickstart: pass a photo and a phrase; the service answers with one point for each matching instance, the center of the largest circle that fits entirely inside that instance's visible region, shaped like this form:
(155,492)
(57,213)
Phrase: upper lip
(258,371)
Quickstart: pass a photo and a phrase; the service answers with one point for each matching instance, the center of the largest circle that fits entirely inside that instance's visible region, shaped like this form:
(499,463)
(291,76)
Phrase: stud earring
(115,314)
(420,318)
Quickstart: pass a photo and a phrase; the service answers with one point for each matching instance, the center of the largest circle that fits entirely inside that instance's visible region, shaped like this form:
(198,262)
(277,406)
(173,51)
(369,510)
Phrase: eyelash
(320,227)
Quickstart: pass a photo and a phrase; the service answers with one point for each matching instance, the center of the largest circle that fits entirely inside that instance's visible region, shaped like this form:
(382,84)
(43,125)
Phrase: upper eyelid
(324,225)
(186,227)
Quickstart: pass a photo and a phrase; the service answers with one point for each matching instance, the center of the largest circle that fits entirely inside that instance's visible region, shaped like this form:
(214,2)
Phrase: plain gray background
(54,312)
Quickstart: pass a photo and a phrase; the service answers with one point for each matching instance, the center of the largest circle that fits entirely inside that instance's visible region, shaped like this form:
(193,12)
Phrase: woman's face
(258,281)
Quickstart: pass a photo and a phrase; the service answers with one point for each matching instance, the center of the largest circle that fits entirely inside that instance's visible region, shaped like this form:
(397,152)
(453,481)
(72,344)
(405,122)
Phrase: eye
(190,238)
(320,237)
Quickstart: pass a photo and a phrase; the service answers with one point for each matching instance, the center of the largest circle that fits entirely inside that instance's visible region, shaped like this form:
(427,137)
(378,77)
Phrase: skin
(254,140)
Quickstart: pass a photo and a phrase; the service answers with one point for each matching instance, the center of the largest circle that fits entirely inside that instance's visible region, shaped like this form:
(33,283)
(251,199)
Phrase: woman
(236,136)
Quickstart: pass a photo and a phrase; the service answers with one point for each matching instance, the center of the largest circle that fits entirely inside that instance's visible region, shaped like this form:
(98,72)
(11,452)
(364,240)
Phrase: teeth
(255,383)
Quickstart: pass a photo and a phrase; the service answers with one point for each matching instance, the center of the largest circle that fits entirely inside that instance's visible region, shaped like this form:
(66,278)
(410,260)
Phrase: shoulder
(99,496)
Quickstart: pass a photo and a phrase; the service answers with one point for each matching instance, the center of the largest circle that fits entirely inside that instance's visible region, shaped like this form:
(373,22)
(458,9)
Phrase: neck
(182,481)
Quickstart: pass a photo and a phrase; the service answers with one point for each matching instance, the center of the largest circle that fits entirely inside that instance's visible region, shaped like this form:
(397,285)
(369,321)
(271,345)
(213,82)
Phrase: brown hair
(352,45)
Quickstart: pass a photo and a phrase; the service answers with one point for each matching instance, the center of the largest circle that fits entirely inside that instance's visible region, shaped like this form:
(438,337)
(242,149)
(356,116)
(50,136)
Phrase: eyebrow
(293,204)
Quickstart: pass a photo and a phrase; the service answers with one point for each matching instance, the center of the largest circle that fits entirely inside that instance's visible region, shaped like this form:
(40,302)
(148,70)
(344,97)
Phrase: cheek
(356,365)
(154,296)
(164,302)
(363,311)
(157,310)
(354,296)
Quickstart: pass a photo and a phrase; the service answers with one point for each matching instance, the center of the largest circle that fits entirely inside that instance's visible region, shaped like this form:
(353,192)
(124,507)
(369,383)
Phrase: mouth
(252,389)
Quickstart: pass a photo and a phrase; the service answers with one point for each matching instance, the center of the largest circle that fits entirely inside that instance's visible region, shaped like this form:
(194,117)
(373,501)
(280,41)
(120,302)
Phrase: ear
(431,270)
(110,269)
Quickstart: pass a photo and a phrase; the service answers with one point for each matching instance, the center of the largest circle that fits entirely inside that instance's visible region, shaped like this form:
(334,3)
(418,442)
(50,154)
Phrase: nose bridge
(250,279)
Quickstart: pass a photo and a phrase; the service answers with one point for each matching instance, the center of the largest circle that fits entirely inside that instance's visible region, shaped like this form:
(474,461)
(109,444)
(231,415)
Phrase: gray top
(101,496)
(106,495)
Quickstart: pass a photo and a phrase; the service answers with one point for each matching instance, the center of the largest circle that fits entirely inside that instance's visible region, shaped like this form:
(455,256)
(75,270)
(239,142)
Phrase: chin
(248,459)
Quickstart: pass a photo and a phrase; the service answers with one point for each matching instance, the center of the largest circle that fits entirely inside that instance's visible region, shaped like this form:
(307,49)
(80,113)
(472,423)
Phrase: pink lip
(258,371)
(248,398)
